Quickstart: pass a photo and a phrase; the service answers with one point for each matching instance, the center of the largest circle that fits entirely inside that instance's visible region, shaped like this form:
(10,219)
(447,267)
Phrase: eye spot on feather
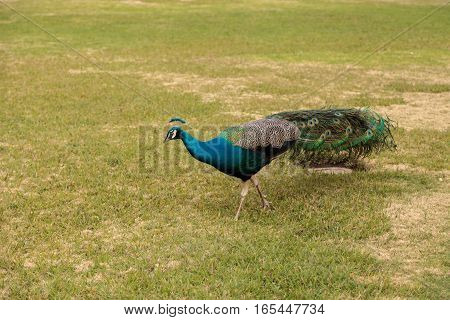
(315,120)
(348,130)
(369,133)
(336,121)
(338,114)
(310,123)
(327,133)
(302,125)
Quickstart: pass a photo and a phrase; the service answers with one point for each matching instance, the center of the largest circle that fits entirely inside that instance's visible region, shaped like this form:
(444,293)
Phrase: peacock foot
(267,205)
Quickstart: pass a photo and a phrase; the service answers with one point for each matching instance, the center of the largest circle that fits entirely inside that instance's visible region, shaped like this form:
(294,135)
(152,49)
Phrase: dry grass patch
(228,90)
(250,81)
(83,266)
(414,74)
(422,110)
(403,2)
(273,82)
(419,234)
(372,165)
(139,3)
(241,114)
(225,89)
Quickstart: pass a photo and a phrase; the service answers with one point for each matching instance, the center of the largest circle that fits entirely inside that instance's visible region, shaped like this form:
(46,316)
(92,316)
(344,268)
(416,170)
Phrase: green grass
(84,214)
(364,100)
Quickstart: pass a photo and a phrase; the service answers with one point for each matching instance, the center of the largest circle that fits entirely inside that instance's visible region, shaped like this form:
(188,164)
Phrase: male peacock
(314,137)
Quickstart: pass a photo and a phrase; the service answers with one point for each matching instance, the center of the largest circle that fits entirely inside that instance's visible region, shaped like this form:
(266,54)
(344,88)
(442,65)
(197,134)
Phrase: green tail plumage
(337,136)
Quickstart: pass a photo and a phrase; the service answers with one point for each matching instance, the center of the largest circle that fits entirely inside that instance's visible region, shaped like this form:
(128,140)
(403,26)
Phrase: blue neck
(198,149)
(224,156)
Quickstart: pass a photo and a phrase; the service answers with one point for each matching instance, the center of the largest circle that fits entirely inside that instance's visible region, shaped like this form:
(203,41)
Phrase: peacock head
(173,133)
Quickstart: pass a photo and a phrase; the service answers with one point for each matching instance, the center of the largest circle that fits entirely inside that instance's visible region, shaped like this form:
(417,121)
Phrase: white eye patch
(173,134)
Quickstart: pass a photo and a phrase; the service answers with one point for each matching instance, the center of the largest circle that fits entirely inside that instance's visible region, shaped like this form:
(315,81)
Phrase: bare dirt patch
(422,110)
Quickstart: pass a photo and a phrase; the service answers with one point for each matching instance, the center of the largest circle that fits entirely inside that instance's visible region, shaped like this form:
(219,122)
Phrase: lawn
(94,205)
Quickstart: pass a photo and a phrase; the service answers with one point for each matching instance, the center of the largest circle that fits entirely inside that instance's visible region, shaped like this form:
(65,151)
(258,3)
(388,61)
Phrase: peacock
(311,138)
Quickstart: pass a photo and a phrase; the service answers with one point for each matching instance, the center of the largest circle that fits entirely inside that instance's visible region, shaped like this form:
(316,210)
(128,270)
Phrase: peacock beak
(166,139)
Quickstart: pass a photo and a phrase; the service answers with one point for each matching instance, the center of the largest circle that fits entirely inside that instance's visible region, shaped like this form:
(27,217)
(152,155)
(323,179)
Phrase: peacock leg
(244,192)
(265,203)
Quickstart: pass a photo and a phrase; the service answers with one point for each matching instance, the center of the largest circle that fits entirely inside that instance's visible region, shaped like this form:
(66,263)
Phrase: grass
(93,205)
(419,87)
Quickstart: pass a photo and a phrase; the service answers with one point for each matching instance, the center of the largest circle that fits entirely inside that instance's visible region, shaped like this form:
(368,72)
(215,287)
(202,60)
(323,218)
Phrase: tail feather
(338,136)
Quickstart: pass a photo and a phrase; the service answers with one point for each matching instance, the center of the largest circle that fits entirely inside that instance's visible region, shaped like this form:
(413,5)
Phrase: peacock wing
(263,133)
